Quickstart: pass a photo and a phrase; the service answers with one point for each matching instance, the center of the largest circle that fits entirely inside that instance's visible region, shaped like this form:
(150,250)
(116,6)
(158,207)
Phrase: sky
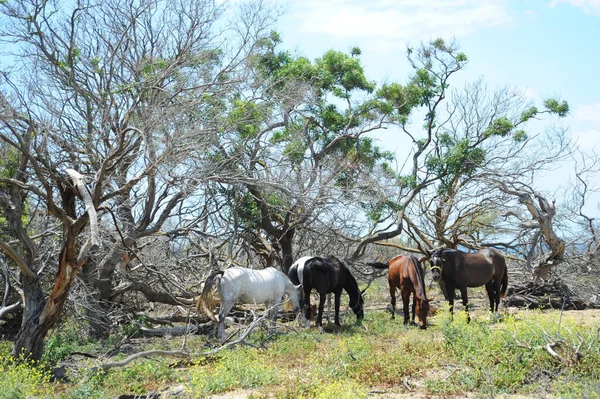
(547,48)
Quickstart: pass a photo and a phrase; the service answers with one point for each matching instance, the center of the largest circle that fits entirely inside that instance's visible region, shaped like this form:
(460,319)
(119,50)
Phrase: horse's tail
(504,282)
(206,301)
(420,276)
(378,265)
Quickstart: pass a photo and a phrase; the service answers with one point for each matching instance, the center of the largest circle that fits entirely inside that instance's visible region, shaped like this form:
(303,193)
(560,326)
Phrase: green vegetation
(485,357)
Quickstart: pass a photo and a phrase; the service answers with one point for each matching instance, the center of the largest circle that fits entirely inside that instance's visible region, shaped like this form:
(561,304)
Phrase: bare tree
(129,95)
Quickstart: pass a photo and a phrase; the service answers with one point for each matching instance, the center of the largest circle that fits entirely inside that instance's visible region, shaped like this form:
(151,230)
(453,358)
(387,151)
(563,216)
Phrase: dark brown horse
(405,273)
(454,269)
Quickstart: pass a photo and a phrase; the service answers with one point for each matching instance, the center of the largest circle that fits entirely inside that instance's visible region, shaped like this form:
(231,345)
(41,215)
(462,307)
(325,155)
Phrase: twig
(237,341)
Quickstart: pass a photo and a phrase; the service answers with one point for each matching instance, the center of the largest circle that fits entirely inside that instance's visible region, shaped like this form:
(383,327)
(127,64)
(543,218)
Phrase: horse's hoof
(321,330)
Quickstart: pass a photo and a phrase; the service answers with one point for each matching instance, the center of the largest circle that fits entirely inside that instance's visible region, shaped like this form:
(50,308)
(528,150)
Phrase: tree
(301,137)
(472,142)
(128,95)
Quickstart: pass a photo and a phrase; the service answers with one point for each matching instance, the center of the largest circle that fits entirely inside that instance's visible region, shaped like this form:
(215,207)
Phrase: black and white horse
(326,275)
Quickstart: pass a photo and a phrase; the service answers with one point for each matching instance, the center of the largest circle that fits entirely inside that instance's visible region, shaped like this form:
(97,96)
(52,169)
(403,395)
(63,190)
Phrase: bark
(41,314)
(543,213)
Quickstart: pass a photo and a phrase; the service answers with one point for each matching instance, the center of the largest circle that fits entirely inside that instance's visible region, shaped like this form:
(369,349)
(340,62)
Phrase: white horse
(266,286)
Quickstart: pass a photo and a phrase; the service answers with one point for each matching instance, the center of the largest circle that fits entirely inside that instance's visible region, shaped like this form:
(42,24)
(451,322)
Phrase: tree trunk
(29,341)
(96,310)
(40,314)
(286,250)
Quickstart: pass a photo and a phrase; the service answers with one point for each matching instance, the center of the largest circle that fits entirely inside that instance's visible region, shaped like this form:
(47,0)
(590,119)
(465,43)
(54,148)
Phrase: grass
(484,357)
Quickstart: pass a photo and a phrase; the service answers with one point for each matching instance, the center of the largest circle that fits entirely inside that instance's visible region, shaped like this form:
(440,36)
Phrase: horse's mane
(351,286)
(206,300)
(349,276)
(420,275)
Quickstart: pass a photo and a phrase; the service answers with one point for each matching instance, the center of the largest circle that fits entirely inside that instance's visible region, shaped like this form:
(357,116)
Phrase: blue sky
(547,48)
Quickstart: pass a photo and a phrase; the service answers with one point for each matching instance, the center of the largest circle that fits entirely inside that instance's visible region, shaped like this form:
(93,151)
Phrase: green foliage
(9,162)
(484,357)
(377,211)
(245,118)
(408,181)
(506,358)
(529,113)
(460,158)
(520,136)
(294,150)
(237,369)
(401,99)
(339,74)
(23,378)
(557,107)
(499,127)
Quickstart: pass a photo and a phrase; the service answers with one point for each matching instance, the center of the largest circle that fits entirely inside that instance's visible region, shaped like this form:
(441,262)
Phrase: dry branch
(129,359)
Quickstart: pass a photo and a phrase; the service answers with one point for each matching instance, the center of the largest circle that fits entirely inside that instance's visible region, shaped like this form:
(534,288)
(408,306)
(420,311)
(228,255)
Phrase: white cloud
(588,6)
(391,24)
(586,126)
(588,140)
(588,113)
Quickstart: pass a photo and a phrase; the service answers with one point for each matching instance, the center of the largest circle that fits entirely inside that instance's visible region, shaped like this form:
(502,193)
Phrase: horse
(405,273)
(296,275)
(266,286)
(327,275)
(454,269)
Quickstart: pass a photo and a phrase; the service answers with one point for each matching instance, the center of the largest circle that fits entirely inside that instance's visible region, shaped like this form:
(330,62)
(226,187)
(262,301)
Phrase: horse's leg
(450,295)
(405,303)
(322,297)
(305,315)
(272,315)
(497,289)
(489,287)
(414,306)
(393,295)
(337,302)
(223,312)
(465,301)
(328,308)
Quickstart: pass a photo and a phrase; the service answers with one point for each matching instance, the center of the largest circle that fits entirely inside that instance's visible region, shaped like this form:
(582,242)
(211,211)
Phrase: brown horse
(405,273)
(454,269)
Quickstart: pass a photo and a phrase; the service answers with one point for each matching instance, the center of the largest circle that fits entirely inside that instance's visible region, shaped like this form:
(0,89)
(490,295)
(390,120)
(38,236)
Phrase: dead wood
(129,359)
(169,319)
(555,294)
(176,331)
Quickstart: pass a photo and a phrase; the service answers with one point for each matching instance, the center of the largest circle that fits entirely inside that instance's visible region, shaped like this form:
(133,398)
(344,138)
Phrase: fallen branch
(129,359)
(177,330)
(237,341)
(171,318)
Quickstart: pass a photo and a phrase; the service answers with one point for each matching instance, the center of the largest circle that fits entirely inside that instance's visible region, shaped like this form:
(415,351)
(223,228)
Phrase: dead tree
(542,213)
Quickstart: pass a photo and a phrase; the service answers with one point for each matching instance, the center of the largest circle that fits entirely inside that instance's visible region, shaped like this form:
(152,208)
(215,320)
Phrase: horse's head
(437,263)
(296,298)
(422,310)
(357,305)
